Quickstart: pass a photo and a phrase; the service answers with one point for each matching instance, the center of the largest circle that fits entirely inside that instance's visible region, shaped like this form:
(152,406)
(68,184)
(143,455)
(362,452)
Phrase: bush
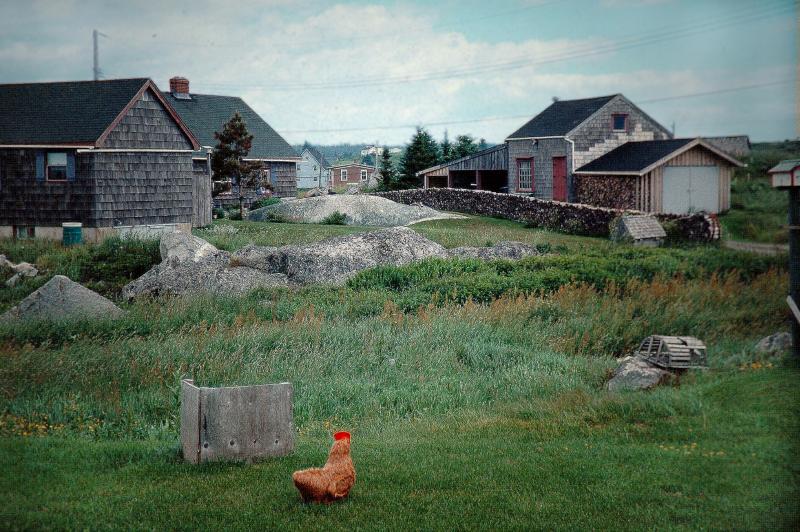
(218,213)
(335,218)
(117,261)
(275,218)
(234,214)
(264,202)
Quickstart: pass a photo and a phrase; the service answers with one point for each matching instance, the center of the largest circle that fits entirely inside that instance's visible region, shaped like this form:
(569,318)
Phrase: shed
(674,352)
(484,170)
(786,174)
(640,229)
(677,176)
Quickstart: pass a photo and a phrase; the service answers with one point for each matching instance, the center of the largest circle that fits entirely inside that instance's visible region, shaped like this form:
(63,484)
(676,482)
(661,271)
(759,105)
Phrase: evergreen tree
(482,145)
(465,145)
(233,145)
(447,149)
(421,153)
(388,173)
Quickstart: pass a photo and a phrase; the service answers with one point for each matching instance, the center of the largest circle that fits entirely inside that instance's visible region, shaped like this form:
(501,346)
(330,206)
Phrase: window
(56,166)
(620,122)
(363,175)
(24,232)
(525,174)
(343,175)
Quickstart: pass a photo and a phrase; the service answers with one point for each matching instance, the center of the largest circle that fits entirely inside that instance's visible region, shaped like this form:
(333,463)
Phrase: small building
(206,114)
(542,157)
(786,174)
(314,170)
(352,174)
(677,176)
(113,155)
(638,229)
(736,145)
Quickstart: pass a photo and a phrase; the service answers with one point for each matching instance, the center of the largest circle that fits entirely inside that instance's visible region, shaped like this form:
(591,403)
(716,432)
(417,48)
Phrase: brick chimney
(179,85)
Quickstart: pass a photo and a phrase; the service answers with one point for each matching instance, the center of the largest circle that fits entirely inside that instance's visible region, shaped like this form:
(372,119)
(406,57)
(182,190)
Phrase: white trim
(630,172)
(267,159)
(132,150)
(48,146)
(537,138)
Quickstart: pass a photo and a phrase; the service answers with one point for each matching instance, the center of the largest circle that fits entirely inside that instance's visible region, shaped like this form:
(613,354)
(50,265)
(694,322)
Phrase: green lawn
(479,407)
(758,212)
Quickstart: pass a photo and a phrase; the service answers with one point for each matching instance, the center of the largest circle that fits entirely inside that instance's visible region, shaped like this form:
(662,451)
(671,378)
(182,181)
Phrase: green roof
(206,114)
(66,112)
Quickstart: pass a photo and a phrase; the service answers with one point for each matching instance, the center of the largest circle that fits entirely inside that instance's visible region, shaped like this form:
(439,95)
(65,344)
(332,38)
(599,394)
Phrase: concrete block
(236,423)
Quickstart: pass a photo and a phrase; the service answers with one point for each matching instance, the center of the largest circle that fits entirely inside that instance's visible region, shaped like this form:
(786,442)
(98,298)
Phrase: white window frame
(363,175)
(47,165)
(343,174)
(521,185)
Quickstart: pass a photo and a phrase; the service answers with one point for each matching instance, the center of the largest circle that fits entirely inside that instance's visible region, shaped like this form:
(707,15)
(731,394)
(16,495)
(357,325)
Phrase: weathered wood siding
(147,125)
(542,151)
(201,196)
(284,178)
(135,188)
(596,136)
(26,201)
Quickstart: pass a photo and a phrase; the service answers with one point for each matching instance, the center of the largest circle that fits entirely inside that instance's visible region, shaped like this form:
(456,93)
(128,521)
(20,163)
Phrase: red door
(560,178)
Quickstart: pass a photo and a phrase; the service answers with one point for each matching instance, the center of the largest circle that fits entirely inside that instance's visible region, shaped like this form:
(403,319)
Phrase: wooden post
(449,179)
(794,263)
(478,184)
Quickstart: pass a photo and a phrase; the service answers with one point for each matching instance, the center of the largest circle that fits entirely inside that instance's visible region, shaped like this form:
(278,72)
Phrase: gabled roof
(736,145)
(784,166)
(561,117)
(360,165)
(323,162)
(70,112)
(638,158)
(460,160)
(206,114)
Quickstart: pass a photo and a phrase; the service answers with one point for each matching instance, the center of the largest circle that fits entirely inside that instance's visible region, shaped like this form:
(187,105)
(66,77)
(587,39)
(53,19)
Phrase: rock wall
(573,218)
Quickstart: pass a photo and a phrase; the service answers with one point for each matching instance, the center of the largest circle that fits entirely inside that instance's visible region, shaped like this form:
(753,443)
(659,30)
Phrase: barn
(676,176)
(112,155)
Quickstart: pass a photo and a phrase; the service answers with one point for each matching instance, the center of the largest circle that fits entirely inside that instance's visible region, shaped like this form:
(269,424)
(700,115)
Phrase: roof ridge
(72,81)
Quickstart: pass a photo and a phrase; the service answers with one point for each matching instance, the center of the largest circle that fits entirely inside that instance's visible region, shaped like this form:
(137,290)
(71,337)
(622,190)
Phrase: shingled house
(112,155)
(206,114)
(543,157)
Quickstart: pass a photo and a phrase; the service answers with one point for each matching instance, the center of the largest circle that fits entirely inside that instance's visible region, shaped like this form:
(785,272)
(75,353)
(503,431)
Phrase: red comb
(341,436)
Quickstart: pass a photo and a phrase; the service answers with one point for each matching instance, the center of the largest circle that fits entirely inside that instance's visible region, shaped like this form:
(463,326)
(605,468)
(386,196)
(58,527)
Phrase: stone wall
(573,218)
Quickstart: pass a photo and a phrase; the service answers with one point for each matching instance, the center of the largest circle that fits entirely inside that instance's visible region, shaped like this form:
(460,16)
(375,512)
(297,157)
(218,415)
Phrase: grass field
(478,407)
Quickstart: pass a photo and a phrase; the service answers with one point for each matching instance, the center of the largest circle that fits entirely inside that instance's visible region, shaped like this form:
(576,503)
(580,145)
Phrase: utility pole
(673,128)
(96,56)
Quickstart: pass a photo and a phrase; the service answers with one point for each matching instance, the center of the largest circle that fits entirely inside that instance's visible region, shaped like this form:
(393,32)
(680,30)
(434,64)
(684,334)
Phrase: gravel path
(359,209)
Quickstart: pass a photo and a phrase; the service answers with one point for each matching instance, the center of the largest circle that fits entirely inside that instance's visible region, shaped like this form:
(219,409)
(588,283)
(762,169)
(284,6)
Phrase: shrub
(335,218)
(117,261)
(218,213)
(264,202)
(276,218)
(234,214)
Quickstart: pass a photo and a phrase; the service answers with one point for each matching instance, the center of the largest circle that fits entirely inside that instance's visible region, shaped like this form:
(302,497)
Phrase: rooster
(333,481)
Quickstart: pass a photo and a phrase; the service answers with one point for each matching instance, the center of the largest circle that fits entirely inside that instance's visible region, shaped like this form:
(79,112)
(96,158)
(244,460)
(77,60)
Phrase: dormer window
(56,166)
(619,122)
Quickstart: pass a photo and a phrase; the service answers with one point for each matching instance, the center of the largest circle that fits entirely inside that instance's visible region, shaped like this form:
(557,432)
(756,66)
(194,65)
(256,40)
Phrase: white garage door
(691,189)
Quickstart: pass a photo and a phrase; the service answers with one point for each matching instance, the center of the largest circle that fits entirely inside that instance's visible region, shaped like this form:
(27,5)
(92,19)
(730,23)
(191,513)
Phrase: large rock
(61,299)
(501,250)
(359,209)
(184,246)
(775,343)
(636,373)
(212,273)
(335,260)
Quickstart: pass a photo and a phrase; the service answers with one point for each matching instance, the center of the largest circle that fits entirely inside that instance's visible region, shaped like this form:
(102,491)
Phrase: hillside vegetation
(474,391)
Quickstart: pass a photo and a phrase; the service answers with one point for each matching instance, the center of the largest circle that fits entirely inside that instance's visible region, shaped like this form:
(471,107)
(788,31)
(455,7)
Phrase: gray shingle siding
(147,125)
(596,136)
(542,151)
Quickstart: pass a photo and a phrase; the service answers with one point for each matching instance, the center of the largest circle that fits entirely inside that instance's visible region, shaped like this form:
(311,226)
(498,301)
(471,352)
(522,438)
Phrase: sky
(366,72)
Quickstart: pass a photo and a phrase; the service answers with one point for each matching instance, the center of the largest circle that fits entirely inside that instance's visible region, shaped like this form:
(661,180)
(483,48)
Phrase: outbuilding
(677,176)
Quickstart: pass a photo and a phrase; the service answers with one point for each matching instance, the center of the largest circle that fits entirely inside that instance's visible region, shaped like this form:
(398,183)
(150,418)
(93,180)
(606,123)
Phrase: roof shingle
(634,156)
(205,114)
(62,112)
(561,117)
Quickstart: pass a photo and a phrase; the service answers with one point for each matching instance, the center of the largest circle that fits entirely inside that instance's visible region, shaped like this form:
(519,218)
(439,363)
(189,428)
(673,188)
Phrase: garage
(677,176)
(690,189)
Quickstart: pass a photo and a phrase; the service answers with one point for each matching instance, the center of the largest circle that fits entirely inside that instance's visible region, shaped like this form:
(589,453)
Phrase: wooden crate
(674,352)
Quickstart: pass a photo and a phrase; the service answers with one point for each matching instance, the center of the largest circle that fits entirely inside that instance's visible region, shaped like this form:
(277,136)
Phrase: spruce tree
(233,145)
(388,173)
(421,153)
(447,149)
(465,145)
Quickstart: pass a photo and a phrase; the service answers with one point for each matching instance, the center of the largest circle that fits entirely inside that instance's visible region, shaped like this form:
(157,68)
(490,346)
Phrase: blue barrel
(72,233)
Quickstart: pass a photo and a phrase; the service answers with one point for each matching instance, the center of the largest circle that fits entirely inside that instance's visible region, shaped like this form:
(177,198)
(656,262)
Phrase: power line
(652,37)
(519,117)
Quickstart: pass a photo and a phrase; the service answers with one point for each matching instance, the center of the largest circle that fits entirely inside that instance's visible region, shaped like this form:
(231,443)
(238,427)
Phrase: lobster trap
(674,352)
